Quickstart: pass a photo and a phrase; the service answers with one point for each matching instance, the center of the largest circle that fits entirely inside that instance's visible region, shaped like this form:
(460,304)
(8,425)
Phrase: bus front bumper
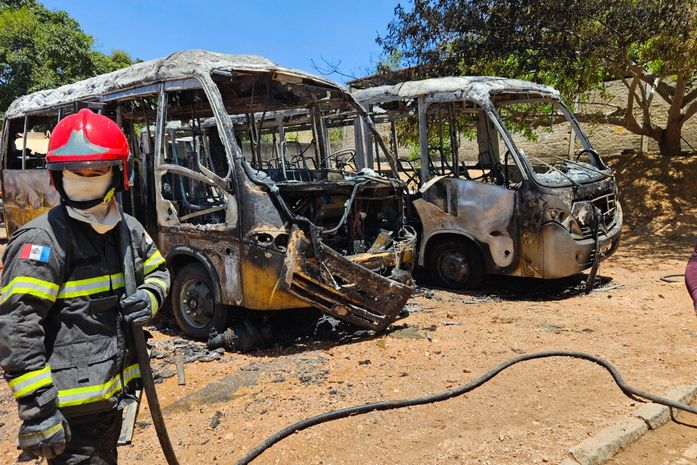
(563,256)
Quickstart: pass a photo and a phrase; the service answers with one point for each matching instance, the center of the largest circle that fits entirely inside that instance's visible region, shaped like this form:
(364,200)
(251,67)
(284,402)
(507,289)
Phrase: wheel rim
(453,266)
(196,303)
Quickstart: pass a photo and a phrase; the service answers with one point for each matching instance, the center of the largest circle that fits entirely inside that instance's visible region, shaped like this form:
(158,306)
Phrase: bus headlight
(583,212)
(567,221)
(571,225)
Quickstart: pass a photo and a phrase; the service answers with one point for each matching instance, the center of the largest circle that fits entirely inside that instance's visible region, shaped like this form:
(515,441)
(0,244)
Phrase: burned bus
(245,226)
(502,178)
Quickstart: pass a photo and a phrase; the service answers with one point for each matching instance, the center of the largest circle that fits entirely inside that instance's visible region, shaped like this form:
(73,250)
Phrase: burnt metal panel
(480,211)
(179,65)
(216,250)
(27,194)
(478,89)
(344,289)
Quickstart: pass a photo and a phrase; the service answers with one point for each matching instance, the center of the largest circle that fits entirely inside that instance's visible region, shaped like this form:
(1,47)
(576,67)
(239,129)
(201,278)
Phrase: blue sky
(290,33)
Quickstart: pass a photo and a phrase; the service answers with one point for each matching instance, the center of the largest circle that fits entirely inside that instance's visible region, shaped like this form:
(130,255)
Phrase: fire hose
(629,391)
(595,225)
(141,349)
(673,278)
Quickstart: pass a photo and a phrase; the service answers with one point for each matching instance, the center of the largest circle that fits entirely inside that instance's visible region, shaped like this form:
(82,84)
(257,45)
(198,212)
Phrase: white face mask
(80,188)
(102,217)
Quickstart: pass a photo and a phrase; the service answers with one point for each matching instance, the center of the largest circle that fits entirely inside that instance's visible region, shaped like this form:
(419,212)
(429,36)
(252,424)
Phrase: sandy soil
(530,413)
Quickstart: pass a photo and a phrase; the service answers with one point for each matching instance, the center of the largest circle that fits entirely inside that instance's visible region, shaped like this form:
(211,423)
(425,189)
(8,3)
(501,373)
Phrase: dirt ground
(531,413)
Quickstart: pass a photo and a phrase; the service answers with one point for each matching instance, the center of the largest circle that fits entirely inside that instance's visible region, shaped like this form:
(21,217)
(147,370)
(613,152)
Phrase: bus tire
(193,302)
(456,264)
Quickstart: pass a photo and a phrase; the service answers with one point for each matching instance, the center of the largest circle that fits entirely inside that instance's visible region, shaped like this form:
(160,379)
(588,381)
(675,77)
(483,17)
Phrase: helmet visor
(78,165)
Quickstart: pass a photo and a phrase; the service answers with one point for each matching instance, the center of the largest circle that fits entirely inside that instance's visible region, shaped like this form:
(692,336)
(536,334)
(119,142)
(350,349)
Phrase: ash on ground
(164,355)
(285,329)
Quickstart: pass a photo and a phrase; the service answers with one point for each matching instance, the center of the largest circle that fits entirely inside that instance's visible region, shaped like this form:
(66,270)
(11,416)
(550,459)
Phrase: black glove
(44,437)
(137,307)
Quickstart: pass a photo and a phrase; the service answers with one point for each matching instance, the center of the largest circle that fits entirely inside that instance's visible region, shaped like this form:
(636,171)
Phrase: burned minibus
(245,225)
(502,178)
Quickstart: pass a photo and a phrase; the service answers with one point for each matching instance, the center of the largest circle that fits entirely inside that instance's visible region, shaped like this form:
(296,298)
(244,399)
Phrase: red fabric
(691,275)
(26,251)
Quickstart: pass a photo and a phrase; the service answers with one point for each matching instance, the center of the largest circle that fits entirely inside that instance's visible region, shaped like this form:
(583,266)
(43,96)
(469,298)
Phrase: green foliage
(573,45)
(42,49)
(567,43)
(391,62)
(413,152)
(531,119)
(465,125)
(16,3)
(108,63)
(336,136)
(292,136)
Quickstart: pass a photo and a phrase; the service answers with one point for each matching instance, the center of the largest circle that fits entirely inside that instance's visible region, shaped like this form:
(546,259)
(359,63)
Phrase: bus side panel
(28,194)
(478,210)
(220,249)
(263,289)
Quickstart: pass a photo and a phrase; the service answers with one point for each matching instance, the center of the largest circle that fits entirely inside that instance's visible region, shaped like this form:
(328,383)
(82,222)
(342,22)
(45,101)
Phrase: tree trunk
(670,142)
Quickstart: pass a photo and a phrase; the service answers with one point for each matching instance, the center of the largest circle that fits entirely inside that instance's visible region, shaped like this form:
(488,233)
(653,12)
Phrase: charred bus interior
(299,137)
(352,208)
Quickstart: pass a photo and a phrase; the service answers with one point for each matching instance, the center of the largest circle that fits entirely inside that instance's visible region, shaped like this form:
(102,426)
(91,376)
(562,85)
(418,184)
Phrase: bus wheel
(193,302)
(456,264)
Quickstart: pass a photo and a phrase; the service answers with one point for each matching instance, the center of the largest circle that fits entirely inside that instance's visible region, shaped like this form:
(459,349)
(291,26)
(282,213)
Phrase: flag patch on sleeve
(39,253)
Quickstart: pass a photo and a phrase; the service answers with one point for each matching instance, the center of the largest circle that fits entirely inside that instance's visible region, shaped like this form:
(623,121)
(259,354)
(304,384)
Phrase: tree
(42,49)
(108,63)
(573,45)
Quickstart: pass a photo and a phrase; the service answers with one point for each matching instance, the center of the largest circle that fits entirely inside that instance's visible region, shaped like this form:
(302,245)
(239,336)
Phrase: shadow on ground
(659,198)
(514,288)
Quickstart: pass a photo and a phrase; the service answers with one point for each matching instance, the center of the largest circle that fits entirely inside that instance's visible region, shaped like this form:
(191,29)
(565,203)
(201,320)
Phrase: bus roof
(479,89)
(179,65)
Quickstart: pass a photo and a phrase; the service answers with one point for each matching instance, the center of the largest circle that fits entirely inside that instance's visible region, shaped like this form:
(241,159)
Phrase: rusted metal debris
(346,289)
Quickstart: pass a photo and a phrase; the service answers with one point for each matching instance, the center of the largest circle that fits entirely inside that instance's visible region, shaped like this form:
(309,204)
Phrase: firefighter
(64,344)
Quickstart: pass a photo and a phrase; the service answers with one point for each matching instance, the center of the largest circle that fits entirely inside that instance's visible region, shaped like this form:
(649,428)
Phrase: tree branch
(632,89)
(689,97)
(689,113)
(330,68)
(663,89)
(674,112)
(630,121)
(601,118)
(645,105)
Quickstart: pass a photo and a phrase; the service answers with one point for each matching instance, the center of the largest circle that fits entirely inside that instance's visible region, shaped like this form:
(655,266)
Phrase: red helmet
(85,140)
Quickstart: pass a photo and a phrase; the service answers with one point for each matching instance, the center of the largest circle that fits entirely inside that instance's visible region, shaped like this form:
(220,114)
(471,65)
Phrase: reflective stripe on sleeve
(31,439)
(29,382)
(153,262)
(91,286)
(27,285)
(161,283)
(154,304)
(89,394)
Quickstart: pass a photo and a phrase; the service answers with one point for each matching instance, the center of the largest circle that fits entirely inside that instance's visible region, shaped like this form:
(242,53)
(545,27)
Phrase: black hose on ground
(629,391)
(670,278)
